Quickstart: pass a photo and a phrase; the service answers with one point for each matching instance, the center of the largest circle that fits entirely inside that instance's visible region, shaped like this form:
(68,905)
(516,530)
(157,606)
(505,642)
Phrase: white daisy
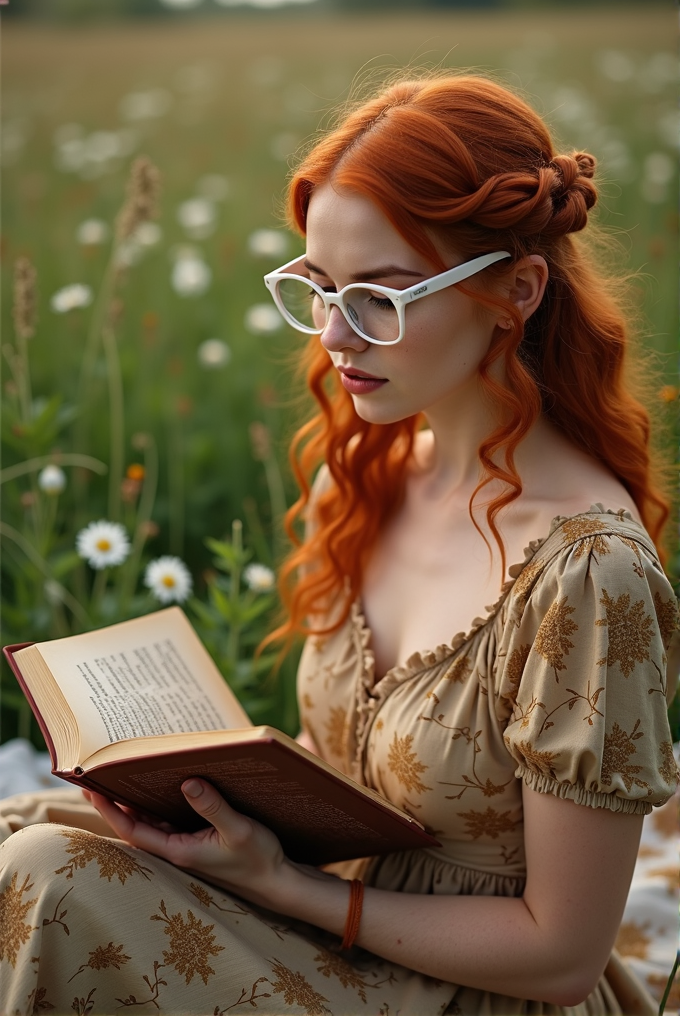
(92,232)
(258,577)
(268,243)
(213,353)
(169,579)
(191,276)
(262,318)
(52,479)
(103,543)
(69,297)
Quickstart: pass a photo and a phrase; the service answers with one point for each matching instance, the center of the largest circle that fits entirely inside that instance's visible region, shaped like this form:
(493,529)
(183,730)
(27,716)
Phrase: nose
(339,334)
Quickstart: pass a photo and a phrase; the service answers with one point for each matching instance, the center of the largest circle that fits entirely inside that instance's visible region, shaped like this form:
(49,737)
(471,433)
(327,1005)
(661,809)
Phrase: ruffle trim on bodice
(371,694)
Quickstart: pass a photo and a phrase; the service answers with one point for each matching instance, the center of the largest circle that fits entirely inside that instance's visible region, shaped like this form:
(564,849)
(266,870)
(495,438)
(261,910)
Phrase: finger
(130,829)
(233,827)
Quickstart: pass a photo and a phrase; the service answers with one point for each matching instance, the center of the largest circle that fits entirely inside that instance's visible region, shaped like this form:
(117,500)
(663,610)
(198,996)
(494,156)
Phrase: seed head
(142,197)
(24,298)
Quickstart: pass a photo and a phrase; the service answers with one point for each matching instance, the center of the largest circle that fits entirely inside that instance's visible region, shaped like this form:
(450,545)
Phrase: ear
(527,281)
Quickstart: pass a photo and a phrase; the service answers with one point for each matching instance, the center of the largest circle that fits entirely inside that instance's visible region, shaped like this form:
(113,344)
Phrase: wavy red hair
(472,168)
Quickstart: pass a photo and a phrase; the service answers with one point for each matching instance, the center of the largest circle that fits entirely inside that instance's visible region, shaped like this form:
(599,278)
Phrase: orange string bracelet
(356,903)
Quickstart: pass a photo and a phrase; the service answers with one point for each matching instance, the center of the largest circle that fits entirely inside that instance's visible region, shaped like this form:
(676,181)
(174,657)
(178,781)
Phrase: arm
(551,945)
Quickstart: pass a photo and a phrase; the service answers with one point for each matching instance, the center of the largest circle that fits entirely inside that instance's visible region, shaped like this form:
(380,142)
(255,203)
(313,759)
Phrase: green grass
(237,87)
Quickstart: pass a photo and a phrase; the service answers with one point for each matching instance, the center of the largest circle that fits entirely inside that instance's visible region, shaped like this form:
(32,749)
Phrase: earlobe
(530,279)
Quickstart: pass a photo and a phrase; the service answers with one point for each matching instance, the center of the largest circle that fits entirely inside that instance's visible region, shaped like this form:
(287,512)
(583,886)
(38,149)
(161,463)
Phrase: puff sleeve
(583,670)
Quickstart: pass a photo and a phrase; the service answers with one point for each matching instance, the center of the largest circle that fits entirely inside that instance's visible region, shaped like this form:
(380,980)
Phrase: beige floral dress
(561,687)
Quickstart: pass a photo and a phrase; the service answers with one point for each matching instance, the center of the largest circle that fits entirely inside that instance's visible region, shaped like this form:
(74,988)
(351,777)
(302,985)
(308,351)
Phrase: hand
(234,851)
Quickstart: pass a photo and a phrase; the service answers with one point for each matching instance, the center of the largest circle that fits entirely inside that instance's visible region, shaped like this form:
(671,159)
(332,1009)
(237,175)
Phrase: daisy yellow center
(103,544)
(168,581)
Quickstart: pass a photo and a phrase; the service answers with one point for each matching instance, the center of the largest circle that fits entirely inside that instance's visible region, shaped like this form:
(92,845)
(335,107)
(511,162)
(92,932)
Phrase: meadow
(169,368)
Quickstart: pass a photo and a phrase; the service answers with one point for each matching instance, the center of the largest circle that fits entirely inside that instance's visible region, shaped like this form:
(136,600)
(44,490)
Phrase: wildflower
(148,234)
(197,217)
(129,490)
(213,353)
(135,471)
(92,232)
(169,579)
(260,441)
(669,393)
(24,298)
(263,317)
(70,297)
(103,543)
(141,441)
(258,577)
(268,243)
(142,197)
(149,529)
(52,479)
(190,276)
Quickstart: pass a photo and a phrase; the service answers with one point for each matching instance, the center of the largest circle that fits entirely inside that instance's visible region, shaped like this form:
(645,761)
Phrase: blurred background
(161,358)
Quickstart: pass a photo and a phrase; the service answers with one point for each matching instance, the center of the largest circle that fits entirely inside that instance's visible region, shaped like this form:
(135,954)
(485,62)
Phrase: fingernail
(192,788)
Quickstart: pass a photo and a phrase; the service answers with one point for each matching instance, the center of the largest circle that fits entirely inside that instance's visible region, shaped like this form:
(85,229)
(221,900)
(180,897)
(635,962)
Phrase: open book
(133,710)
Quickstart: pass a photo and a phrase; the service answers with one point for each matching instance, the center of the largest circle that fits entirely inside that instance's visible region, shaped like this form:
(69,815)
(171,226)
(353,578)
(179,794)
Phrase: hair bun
(573,194)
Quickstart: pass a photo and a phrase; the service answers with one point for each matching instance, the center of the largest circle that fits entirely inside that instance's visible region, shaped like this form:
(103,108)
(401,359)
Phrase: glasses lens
(302,303)
(372,313)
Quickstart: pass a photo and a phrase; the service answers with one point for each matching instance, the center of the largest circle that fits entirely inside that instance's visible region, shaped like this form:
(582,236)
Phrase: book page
(141,678)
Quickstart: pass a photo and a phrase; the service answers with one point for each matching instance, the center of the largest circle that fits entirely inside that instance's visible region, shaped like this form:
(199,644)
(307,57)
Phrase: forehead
(342,224)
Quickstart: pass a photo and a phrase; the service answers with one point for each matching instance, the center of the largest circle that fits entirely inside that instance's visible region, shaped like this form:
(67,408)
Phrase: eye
(381,302)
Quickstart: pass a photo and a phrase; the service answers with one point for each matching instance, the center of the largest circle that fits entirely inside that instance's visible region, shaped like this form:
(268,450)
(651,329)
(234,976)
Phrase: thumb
(206,801)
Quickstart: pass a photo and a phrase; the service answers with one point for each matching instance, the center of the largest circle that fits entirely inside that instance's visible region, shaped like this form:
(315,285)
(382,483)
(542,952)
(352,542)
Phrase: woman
(462,419)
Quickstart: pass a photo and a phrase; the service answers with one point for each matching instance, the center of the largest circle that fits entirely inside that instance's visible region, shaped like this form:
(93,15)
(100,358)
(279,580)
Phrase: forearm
(490,943)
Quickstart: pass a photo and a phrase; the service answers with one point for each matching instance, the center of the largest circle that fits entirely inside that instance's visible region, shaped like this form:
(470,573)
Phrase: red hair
(471,166)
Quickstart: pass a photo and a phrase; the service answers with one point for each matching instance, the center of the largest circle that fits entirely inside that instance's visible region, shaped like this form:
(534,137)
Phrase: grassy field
(220,107)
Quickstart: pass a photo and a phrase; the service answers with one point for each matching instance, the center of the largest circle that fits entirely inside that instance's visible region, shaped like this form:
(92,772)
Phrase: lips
(355,372)
(360,382)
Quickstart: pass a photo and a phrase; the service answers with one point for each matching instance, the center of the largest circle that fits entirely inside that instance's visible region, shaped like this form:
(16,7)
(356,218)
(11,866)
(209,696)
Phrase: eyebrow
(381,272)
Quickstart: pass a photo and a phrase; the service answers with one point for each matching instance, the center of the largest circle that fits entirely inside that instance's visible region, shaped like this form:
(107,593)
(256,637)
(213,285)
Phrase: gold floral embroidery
(191,943)
(630,631)
(540,762)
(667,617)
(459,670)
(669,873)
(112,860)
(487,823)
(104,957)
(307,701)
(552,638)
(84,1006)
(668,770)
(524,581)
(336,725)
(583,530)
(632,939)
(297,990)
(204,897)
(38,1003)
(658,984)
(332,964)
(154,988)
(618,747)
(514,669)
(405,765)
(14,931)
(244,998)
(665,820)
